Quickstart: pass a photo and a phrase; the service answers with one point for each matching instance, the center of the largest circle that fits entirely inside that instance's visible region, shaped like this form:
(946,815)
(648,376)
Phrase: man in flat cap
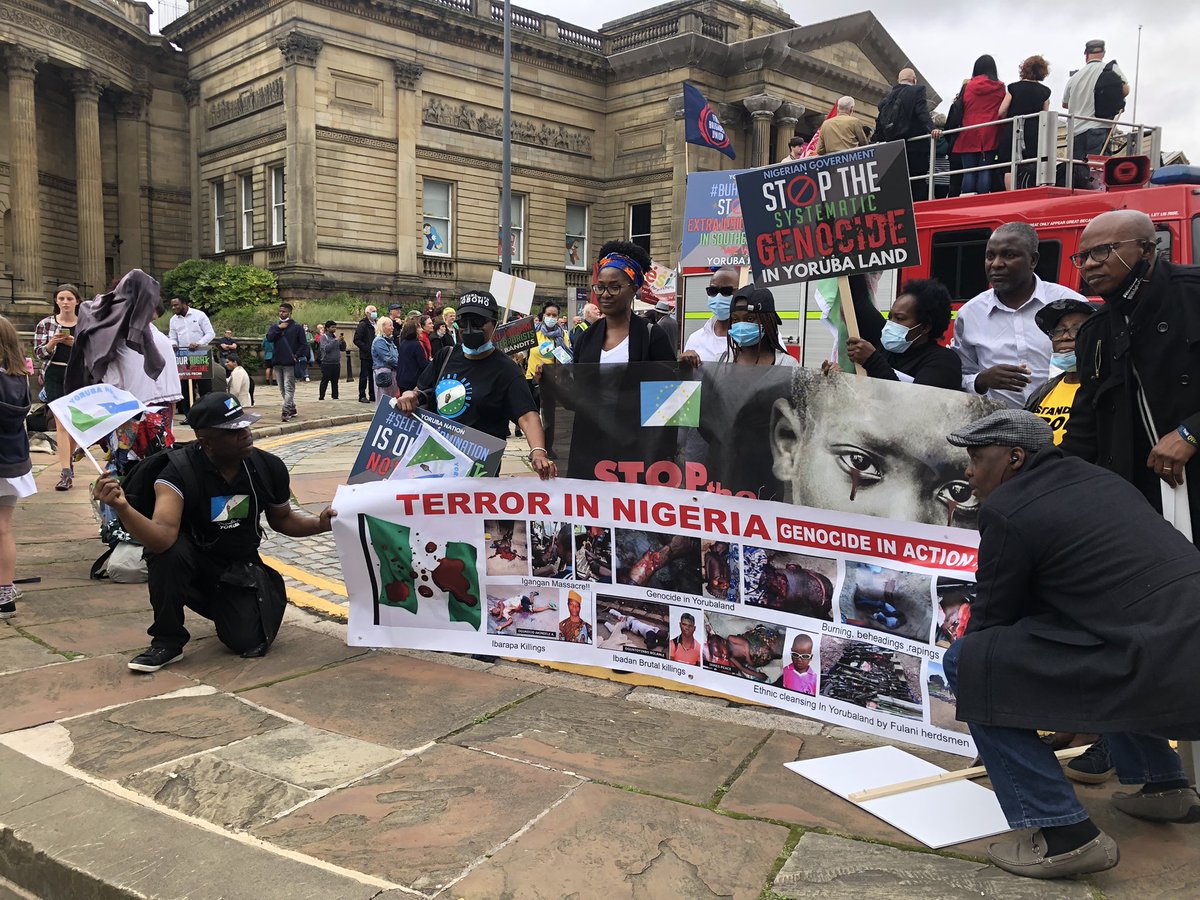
(1079,625)
(1098,90)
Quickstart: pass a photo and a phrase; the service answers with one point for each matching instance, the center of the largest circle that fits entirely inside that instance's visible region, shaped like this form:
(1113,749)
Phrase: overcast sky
(943,38)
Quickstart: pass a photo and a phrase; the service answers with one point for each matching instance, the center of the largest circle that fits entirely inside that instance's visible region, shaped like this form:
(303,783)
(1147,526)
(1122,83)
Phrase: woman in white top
(754,331)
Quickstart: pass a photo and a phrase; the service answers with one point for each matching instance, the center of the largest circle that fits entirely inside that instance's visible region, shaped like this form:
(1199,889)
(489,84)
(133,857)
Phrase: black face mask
(474,339)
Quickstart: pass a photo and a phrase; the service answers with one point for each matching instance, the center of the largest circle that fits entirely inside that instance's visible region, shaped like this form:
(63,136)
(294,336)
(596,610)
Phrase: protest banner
(93,412)
(515,336)
(833,215)
(713,232)
(393,437)
(827,614)
(194,366)
(512,294)
(659,285)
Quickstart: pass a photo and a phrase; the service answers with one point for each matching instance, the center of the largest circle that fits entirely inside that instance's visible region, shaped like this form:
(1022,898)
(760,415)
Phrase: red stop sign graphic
(802,191)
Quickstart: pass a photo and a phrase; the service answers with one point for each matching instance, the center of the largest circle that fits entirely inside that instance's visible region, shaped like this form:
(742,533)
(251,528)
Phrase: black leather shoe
(154,659)
(257,652)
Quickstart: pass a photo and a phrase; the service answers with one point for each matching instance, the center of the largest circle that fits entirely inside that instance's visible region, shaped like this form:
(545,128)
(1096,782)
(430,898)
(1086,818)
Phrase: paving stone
(296,651)
(50,693)
(141,735)
(307,757)
(18,653)
(722,711)
(424,821)
(84,602)
(26,782)
(618,742)
(97,635)
(603,842)
(223,793)
(823,867)
(391,700)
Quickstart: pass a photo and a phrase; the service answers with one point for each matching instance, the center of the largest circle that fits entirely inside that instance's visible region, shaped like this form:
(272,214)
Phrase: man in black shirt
(202,540)
(476,386)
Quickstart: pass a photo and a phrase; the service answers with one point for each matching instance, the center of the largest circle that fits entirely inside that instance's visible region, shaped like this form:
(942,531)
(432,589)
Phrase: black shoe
(257,652)
(363,400)
(1094,766)
(8,610)
(155,658)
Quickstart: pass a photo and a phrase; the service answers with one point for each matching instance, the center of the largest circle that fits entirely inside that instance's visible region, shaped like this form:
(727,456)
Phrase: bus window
(1049,259)
(957,261)
(1195,239)
(1164,242)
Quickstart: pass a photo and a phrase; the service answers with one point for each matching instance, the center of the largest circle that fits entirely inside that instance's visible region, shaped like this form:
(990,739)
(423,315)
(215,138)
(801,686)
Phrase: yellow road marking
(305,600)
(324,584)
(283,439)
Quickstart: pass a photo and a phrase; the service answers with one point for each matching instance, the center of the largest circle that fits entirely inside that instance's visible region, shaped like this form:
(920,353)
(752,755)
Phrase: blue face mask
(478,351)
(745,334)
(720,307)
(374,316)
(895,337)
(1064,361)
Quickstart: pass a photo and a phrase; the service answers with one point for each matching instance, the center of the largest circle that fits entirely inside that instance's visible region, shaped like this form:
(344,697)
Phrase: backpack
(890,125)
(1109,93)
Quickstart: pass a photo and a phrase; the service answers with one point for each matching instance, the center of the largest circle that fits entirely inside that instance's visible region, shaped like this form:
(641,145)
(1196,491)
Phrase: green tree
(223,287)
(181,280)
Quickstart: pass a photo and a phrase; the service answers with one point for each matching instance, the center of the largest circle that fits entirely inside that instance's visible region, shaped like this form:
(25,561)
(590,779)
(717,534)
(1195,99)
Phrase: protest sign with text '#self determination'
(828,216)
(394,438)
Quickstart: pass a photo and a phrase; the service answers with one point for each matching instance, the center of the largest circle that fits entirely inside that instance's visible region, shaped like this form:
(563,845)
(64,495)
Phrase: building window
(517,209)
(277,208)
(246,197)
(438,198)
(218,211)
(577,232)
(639,225)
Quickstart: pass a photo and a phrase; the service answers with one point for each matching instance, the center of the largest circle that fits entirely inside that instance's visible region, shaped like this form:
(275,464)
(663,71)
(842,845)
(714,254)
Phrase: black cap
(1048,316)
(1096,46)
(220,410)
(758,300)
(481,303)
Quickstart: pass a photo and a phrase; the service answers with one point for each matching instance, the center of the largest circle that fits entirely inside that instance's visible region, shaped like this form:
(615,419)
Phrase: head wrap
(625,264)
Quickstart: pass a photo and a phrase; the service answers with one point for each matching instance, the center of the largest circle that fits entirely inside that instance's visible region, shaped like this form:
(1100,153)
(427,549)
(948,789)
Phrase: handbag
(383,378)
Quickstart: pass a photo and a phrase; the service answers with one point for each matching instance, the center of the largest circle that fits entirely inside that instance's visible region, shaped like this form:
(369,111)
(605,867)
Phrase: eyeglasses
(1059,334)
(723,291)
(612,288)
(1101,252)
(802,656)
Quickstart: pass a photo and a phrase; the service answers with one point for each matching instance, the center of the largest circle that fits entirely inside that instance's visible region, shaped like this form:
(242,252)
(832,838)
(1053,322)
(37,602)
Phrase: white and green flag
(93,412)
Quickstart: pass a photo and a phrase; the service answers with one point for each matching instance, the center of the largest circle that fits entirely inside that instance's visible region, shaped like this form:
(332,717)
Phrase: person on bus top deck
(904,347)
(1061,320)
(754,331)
(1004,354)
(707,344)
(478,387)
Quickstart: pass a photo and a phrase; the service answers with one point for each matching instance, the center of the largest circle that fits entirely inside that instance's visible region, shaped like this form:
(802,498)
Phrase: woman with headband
(621,336)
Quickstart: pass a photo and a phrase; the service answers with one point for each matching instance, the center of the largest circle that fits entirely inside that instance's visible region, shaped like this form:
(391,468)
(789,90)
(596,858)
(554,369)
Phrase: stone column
(679,170)
(408,124)
(786,118)
(22,66)
(191,93)
(300,52)
(130,154)
(89,190)
(762,112)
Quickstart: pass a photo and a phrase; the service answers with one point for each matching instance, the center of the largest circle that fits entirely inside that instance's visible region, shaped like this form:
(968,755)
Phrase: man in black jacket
(364,334)
(904,113)
(1078,625)
(1147,334)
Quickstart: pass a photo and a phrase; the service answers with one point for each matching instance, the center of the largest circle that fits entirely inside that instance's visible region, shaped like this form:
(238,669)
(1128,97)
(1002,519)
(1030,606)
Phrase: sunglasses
(802,656)
(723,291)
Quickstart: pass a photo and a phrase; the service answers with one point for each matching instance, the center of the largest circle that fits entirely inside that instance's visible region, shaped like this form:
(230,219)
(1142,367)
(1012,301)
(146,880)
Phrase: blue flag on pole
(701,123)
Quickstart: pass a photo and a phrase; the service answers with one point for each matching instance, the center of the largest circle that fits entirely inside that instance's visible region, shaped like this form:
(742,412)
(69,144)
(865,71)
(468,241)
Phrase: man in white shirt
(190,328)
(707,344)
(1004,354)
(1079,97)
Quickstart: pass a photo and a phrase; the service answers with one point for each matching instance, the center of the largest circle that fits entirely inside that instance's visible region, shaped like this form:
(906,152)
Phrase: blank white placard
(937,816)
(515,294)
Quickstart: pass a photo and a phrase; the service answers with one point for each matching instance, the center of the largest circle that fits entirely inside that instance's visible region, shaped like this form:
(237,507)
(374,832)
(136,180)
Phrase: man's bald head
(1125,238)
(907,76)
(1118,225)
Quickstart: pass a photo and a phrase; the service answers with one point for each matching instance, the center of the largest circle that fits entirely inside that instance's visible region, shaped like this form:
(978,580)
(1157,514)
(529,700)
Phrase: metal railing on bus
(1122,139)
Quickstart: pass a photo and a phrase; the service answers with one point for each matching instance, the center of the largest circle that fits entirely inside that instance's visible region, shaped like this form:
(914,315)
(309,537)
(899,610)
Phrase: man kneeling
(202,541)
(1086,620)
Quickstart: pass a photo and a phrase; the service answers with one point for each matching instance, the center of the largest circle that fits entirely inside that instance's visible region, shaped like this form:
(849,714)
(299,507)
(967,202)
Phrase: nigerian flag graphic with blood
(457,574)
(393,547)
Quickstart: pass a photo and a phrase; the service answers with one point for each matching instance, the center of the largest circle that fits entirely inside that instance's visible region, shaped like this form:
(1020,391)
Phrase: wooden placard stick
(849,316)
(916,784)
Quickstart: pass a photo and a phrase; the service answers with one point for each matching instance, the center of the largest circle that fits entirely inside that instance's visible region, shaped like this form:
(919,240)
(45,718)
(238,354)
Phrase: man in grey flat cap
(1086,617)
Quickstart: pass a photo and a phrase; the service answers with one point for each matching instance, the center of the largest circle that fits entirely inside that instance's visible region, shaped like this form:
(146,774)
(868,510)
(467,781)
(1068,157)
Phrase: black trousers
(366,379)
(329,376)
(917,153)
(546,407)
(183,577)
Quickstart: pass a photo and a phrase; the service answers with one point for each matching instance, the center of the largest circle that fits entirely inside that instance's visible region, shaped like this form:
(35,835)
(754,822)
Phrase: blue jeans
(977,182)
(1028,778)
(302,368)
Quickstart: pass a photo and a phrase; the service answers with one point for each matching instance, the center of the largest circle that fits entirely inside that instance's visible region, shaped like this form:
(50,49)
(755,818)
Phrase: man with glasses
(1137,412)
(712,340)
(1004,354)
(1061,321)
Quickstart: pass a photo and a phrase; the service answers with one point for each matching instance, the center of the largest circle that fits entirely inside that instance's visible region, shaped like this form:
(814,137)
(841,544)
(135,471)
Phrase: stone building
(356,146)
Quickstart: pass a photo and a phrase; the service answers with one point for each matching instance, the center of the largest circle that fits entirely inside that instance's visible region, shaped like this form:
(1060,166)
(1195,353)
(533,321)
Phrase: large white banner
(840,617)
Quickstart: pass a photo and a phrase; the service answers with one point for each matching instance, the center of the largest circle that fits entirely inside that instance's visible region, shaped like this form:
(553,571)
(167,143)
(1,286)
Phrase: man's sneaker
(155,658)
(1094,766)
(1180,805)
(1027,856)
(8,610)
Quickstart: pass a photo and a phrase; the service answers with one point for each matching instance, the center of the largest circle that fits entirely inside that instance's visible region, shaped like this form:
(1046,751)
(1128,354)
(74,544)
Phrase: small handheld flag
(701,124)
(93,412)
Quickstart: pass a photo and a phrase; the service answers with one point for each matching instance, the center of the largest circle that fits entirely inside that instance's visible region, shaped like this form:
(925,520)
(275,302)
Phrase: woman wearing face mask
(477,387)
(1061,320)
(553,347)
(754,331)
(904,347)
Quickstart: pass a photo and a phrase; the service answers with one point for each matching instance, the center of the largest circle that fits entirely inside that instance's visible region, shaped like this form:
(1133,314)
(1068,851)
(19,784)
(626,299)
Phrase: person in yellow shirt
(1061,321)
(553,348)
